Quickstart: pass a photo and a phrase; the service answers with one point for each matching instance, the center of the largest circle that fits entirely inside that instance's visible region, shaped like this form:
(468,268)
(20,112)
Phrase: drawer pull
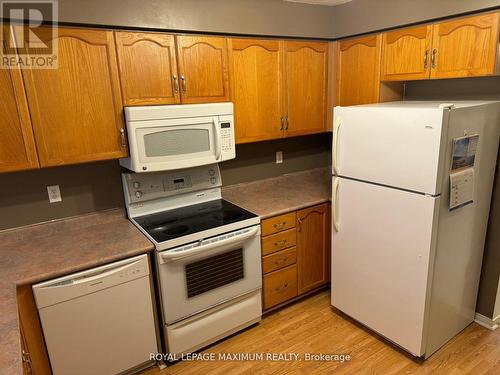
(281,243)
(280,288)
(279,226)
(282,260)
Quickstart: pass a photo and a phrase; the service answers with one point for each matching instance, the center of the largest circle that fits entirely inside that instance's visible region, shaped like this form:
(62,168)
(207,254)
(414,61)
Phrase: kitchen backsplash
(97,186)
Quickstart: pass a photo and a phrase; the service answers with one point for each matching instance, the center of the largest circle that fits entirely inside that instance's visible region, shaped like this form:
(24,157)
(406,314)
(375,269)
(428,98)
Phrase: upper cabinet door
(358,70)
(465,47)
(76,109)
(17,145)
(203,69)
(306,71)
(148,68)
(257,89)
(406,54)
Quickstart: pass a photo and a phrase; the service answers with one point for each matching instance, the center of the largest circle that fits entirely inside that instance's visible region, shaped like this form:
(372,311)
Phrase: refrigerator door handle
(335,190)
(336,130)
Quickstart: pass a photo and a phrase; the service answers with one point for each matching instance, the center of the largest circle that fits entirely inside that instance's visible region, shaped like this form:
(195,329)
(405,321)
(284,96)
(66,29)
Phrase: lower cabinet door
(280,286)
(313,247)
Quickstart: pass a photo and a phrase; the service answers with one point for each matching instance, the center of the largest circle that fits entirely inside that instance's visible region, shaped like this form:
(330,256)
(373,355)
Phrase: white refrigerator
(404,263)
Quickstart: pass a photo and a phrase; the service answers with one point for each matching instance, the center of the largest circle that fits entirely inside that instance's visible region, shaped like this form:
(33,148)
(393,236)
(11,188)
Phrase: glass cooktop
(167,225)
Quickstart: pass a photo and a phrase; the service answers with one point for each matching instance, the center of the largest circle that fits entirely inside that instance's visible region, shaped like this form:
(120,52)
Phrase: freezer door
(397,146)
(382,250)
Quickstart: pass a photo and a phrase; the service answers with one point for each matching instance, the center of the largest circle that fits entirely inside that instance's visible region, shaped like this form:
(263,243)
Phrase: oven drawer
(278,223)
(278,241)
(280,286)
(207,327)
(279,260)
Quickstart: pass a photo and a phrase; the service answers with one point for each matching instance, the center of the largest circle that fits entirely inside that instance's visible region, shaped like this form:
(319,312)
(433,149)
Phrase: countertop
(44,251)
(278,195)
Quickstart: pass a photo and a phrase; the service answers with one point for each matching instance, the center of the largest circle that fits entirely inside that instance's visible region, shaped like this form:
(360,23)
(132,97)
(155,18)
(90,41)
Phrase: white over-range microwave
(170,137)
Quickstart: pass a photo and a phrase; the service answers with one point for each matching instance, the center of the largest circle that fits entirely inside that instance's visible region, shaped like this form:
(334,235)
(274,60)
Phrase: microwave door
(180,143)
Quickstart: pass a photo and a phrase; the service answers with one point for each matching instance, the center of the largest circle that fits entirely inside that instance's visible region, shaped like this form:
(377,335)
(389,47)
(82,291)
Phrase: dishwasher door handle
(169,256)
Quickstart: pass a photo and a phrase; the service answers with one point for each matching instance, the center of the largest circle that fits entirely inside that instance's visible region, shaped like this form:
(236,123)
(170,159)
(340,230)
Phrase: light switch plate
(54,193)
(279,157)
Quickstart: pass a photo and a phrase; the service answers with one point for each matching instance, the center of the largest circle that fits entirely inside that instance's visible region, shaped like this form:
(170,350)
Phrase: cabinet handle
(280,288)
(279,226)
(282,260)
(123,138)
(282,123)
(426,59)
(286,122)
(176,84)
(183,79)
(280,243)
(26,358)
(299,222)
(433,58)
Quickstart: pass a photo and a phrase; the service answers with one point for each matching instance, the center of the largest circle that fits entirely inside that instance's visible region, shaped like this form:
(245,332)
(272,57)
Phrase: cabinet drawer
(278,241)
(280,286)
(278,223)
(279,260)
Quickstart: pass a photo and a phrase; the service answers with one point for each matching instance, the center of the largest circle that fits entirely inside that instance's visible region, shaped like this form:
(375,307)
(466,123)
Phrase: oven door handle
(218,147)
(169,256)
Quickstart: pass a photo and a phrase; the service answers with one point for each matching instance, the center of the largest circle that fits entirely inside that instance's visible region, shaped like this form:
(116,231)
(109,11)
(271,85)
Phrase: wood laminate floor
(311,325)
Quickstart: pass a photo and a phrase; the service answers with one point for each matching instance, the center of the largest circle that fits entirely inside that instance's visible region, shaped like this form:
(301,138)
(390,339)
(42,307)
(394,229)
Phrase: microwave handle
(218,149)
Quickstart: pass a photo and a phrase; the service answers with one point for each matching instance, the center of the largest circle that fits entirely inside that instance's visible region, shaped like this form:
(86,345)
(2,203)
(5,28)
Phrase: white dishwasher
(99,321)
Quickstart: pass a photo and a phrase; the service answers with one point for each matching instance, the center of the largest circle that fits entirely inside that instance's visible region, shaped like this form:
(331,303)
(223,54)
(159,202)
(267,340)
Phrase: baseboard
(486,322)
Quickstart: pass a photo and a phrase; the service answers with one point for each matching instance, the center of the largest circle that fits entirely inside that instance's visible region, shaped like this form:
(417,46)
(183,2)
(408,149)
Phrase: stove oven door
(198,276)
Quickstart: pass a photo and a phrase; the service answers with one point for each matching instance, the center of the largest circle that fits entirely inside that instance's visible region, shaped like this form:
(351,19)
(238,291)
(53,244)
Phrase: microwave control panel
(227,137)
(142,187)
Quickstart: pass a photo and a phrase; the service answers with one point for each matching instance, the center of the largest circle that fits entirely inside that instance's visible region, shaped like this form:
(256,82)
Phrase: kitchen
(77,141)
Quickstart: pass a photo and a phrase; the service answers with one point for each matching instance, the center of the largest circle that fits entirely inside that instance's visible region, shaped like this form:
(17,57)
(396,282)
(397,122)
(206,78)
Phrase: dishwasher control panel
(79,284)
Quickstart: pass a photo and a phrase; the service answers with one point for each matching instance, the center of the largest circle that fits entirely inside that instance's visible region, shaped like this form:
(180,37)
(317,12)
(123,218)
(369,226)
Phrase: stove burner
(229,215)
(172,230)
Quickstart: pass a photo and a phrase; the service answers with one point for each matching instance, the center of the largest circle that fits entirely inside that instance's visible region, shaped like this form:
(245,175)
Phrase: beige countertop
(44,251)
(278,195)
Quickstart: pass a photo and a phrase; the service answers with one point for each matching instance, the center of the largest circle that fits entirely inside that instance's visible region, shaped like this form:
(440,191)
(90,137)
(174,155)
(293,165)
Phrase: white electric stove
(208,254)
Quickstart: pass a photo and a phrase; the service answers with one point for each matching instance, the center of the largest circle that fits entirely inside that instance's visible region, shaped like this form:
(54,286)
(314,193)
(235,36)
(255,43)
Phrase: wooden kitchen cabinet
(406,54)
(76,109)
(279,88)
(358,70)
(34,353)
(257,88)
(17,144)
(148,68)
(465,47)
(313,247)
(203,68)
(295,254)
(306,73)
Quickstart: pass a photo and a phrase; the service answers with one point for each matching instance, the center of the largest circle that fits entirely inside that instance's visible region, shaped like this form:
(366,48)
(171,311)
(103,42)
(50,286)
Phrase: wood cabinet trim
(369,41)
(241,44)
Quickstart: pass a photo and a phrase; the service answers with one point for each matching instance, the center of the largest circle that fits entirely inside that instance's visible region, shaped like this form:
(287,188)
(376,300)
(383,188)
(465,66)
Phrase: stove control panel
(143,187)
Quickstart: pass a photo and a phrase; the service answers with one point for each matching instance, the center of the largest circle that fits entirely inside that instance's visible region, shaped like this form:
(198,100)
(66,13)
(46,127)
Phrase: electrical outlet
(279,157)
(54,194)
